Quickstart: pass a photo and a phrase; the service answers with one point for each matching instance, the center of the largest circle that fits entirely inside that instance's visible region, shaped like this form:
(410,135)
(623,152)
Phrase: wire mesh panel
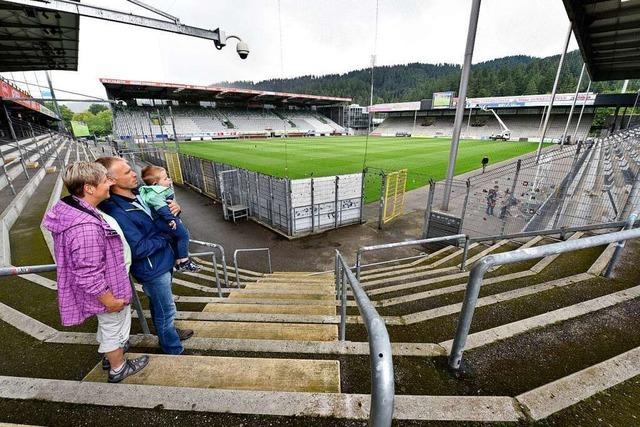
(327,202)
(209,180)
(293,208)
(574,185)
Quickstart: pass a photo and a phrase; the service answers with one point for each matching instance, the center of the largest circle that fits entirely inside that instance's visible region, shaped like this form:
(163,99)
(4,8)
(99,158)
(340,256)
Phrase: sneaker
(189,266)
(184,334)
(131,367)
(105,362)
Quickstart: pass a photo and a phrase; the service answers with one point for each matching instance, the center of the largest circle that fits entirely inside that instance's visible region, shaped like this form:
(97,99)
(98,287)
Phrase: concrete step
(404,270)
(297,279)
(296,283)
(234,373)
(434,256)
(329,310)
(230,269)
(291,288)
(309,274)
(260,331)
(273,295)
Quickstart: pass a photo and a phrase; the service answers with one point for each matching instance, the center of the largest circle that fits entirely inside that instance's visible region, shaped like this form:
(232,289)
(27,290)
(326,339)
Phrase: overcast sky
(318,37)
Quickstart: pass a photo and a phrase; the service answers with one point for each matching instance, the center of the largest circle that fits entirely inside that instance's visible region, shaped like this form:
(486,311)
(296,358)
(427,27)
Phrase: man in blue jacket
(153,257)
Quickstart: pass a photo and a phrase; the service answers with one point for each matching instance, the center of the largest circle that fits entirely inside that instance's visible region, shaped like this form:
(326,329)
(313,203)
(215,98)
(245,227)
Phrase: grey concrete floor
(204,219)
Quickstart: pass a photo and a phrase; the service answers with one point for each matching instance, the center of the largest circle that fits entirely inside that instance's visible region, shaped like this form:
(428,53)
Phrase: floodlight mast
(217,36)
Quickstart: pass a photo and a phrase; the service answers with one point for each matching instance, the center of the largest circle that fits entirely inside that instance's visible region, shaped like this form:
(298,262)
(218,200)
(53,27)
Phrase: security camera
(243,50)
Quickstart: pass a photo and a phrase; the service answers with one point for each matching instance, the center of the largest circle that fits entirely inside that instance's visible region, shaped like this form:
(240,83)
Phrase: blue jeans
(163,312)
(181,237)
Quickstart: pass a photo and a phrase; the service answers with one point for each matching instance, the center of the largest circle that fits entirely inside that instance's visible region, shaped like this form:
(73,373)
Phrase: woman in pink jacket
(92,273)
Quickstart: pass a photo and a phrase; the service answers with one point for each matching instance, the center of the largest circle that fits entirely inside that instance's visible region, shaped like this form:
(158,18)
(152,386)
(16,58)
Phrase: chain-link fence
(574,185)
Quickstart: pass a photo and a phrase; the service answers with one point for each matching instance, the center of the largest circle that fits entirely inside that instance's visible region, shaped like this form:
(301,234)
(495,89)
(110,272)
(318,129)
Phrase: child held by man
(156,193)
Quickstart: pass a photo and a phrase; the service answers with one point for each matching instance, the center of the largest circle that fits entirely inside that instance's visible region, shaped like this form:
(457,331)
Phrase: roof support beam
(121,17)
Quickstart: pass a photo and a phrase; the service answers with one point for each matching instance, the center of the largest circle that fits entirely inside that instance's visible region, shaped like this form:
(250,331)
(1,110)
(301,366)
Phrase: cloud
(319,37)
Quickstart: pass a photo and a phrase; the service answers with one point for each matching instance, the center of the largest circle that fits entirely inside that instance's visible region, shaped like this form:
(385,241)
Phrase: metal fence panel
(293,207)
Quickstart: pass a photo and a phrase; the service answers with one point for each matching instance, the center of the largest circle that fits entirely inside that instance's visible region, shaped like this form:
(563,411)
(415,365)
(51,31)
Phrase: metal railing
(34,269)
(382,380)
(620,245)
(235,260)
(47,268)
(562,231)
(364,249)
(215,268)
(483,265)
(223,260)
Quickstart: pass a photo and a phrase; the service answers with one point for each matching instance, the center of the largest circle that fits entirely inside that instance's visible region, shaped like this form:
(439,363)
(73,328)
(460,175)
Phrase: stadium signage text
(8,92)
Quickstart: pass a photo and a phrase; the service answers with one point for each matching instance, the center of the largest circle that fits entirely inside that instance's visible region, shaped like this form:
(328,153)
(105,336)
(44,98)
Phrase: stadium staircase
(544,331)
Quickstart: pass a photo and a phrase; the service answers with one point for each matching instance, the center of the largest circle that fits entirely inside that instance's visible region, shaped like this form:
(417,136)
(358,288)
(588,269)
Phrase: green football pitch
(322,156)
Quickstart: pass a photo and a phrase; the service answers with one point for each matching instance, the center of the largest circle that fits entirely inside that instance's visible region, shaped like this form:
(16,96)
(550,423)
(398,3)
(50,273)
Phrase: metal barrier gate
(393,188)
(173,167)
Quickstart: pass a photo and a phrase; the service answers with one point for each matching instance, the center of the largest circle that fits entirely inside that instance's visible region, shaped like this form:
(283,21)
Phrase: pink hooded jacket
(90,260)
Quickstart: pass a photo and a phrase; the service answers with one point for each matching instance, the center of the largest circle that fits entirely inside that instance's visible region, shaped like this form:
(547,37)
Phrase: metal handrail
(484,264)
(382,380)
(46,268)
(215,268)
(364,249)
(223,259)
(235,260)
(561,231)
(620,245)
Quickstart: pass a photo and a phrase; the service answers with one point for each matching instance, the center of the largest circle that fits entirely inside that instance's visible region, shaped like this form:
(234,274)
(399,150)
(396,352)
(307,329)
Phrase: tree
(65,112)
(96,108)
(98,124)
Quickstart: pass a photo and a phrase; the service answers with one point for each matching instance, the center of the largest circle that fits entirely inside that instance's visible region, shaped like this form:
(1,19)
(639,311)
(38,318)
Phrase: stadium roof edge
(36,38)
(132,89)
(520,101)
(608,34)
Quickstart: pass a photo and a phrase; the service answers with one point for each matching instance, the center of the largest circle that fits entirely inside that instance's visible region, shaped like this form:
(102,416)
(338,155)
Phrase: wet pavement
(203,217)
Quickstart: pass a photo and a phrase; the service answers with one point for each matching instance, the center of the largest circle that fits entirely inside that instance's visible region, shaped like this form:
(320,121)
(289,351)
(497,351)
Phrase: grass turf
(322,156)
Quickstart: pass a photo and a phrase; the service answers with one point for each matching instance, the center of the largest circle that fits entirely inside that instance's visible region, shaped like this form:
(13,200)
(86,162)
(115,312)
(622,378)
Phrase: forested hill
(512,75)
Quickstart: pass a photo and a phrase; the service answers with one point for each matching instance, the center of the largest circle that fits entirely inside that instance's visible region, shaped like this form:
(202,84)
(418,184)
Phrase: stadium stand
(521,126)
(204,112)
(205,122)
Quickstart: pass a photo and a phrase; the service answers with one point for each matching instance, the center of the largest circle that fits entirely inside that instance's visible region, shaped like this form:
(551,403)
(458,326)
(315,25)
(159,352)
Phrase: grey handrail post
(620,246)
(465,253)
(235,260)
(235,266)
(335,270)
(223,258)
(358,263)
(482,266)
(341,295)
(215,272)
(383,201)
(380,355)
(343,305)
(429,207)
(466,313)
(138,306)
